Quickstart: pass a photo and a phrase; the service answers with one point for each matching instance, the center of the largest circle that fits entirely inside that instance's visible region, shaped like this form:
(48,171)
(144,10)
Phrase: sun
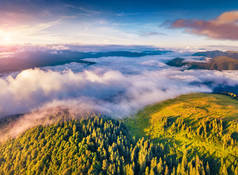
(5,38)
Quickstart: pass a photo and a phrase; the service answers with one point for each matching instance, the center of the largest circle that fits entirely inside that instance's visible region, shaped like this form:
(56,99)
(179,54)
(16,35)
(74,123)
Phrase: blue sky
(142,22)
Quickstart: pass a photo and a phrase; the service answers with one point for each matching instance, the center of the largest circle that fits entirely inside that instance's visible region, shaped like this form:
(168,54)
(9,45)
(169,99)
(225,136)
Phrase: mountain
(194,124)
(31,59)
(216,53)
(191,134)
(177,62)
(223,63)
(89,146)
(217,63)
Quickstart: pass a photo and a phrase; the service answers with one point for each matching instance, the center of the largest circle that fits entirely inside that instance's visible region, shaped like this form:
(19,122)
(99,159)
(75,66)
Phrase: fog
(114,86)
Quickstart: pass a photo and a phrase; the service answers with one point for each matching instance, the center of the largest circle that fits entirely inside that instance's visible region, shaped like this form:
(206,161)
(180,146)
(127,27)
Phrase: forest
(92,146)
(100,145)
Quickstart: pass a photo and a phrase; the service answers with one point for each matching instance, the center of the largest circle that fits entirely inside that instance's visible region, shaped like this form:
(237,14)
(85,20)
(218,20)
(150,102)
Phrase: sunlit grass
(178,121)
(200,106)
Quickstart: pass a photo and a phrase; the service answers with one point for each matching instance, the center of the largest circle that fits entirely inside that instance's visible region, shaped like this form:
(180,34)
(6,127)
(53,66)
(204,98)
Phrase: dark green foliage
(91,146)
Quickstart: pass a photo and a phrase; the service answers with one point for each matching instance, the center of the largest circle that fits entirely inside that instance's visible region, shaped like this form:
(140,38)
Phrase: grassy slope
(193,109)
(199,106)
(209,102)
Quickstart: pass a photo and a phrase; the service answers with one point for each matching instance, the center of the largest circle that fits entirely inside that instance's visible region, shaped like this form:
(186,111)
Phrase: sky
(162,23)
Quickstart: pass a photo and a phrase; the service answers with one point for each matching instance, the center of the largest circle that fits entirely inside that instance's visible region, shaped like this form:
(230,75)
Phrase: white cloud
(115,86)
(109,91)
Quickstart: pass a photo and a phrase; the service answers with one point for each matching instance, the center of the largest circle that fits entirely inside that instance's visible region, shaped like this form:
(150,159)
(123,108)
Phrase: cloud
(114,86)
(102,90)
(224,26)
(47,114)
(100,86)
(152,34)
(84,10)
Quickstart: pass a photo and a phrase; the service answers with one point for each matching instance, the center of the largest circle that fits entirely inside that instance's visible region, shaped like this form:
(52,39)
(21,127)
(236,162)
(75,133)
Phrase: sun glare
(5,38)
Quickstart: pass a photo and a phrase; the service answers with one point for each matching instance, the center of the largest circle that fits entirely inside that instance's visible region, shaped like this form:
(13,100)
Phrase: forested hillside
(192,134)
(91,146)
(195,124)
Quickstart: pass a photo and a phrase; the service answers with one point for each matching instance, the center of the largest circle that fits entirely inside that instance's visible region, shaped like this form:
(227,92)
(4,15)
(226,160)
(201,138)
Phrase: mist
(114,86)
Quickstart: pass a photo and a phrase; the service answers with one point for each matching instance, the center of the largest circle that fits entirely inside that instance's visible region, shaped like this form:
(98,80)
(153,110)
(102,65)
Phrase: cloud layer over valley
(103,90)
(114,86)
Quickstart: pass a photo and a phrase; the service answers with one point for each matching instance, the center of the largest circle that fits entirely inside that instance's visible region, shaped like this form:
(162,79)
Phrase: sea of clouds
(114,86)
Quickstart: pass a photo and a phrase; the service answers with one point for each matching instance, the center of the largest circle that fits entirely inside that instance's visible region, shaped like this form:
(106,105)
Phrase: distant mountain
(32,59)
(216,53)
(223,63)
(217,63)
(177,62)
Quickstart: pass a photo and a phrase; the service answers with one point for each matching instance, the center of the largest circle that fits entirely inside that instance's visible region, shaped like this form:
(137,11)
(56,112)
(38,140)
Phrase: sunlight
(5,37)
